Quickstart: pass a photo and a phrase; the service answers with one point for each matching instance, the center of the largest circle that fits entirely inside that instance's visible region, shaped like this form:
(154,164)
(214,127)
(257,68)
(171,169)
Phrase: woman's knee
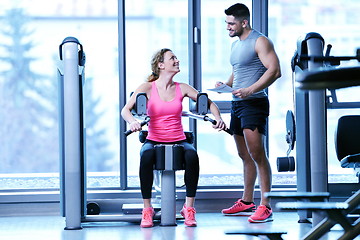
(147,157)
(191,159)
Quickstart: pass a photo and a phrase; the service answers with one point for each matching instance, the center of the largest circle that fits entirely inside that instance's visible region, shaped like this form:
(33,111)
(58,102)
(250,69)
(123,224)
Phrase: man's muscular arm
(267,55)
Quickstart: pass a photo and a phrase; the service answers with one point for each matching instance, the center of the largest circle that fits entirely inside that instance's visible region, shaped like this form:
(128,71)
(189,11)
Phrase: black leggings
(147,161)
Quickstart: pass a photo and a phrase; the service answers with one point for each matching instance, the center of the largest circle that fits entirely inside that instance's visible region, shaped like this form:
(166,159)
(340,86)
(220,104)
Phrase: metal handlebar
(205,118)
(147,119)
(185,114)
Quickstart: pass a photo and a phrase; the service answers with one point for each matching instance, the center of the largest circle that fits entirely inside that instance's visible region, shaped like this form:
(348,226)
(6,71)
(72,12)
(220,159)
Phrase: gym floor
(210,226)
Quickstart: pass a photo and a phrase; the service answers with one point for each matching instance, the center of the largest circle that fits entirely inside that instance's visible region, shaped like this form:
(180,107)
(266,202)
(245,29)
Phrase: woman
(164,108)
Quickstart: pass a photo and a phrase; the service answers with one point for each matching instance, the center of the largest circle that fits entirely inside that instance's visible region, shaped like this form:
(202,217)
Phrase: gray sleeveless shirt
(247,67)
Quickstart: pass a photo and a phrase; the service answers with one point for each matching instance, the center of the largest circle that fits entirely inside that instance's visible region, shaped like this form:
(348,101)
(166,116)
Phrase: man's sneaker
(189,214)
(240,208)
(262,214)
(147,217)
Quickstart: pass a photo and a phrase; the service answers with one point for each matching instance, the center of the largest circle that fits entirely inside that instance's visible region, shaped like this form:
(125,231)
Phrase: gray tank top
(247,67)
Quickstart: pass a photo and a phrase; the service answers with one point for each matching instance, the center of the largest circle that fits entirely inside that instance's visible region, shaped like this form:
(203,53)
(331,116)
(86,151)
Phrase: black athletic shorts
(250,114)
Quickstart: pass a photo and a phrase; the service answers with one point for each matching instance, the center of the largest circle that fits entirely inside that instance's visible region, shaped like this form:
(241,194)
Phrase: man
(255,67)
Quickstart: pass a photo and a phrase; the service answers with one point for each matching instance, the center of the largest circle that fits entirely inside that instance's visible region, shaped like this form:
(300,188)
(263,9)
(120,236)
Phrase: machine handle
(128,132)
(206,118)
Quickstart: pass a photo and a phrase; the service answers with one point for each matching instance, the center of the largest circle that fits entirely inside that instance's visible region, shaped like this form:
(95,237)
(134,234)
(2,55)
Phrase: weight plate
(92,208)
(290,128)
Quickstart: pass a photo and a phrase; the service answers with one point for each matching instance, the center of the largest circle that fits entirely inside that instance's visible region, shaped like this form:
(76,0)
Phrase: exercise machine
(74,205)
(348,152)
(314,80)
(72,130)
(169,157)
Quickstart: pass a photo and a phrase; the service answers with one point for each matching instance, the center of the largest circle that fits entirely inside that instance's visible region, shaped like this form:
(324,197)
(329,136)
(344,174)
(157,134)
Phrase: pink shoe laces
(148,215)
(237,203)
(190,213)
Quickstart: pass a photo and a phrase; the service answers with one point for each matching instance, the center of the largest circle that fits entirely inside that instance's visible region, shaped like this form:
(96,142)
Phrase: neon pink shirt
(165,117)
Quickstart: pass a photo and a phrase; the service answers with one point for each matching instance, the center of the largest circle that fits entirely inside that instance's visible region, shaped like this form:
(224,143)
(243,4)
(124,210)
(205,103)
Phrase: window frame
(260,22)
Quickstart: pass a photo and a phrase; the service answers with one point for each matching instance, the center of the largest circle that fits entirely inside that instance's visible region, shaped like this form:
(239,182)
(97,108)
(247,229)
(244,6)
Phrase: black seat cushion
(189,136)
(329,78)
(347,136)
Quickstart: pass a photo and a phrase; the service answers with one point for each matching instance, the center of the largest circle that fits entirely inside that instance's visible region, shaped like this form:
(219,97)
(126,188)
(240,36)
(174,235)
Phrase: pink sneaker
(240,208)
(261,215)
(189,214)
(147,217)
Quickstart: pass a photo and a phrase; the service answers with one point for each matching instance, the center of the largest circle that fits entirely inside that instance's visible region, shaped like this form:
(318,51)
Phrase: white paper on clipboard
(223,88)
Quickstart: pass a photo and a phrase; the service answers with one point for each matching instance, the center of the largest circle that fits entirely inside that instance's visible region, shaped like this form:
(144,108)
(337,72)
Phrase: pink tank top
(165,117)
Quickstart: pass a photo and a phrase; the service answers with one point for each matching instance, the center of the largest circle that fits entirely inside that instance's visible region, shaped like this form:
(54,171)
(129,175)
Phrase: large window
(31,32)
(219,161)
(288,21)
(150,26)
(30,35)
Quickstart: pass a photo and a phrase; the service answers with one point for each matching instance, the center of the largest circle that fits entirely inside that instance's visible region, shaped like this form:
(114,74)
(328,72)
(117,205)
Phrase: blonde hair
(157,58)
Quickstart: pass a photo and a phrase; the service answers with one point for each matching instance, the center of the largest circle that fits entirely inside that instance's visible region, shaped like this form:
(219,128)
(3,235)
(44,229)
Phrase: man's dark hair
(239,11)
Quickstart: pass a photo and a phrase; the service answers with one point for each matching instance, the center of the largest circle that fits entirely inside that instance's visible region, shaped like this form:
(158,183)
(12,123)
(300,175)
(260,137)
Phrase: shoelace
(148,216)
(237,203)
(190,213)
(263,211)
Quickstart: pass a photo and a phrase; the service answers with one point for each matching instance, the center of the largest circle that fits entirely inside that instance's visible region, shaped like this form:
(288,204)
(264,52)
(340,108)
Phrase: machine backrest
(347,136)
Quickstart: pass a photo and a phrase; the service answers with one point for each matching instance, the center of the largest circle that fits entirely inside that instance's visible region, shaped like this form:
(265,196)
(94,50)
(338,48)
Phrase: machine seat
(189,136)
(326,78)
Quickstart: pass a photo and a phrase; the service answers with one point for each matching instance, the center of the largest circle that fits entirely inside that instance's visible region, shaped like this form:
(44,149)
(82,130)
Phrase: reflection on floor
(210,226)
